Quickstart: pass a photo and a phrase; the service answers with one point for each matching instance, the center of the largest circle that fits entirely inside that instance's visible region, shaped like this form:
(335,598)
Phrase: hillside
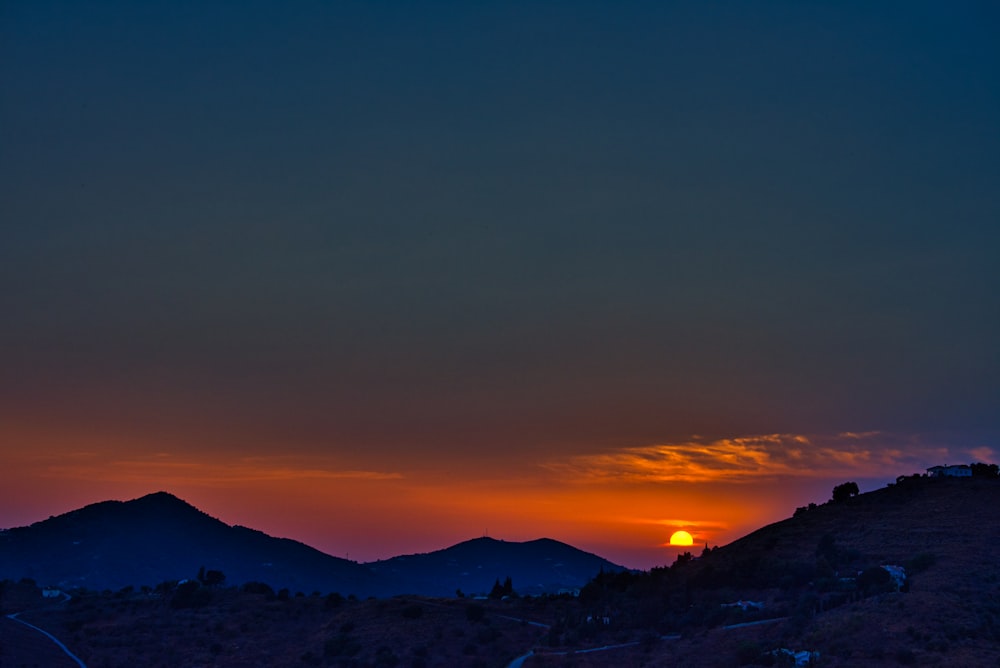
(806,572)
(819,573)
(535,567)
(158,537)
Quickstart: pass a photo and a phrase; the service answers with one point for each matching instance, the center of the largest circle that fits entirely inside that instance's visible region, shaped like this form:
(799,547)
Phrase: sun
(681,538)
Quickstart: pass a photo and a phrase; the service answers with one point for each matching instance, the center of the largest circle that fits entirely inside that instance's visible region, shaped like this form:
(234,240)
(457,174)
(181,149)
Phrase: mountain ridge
(160,537)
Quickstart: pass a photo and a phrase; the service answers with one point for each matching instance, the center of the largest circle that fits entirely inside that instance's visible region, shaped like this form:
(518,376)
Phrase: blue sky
(429,233)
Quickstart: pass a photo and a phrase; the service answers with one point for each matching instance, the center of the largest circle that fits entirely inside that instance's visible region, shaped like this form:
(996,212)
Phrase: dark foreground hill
(807,573)
(159,538)
(817,582)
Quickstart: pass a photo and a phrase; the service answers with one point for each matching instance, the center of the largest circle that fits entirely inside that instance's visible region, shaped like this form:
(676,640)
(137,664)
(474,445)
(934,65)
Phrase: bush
(212,578)
(827,548)
(845,491)
(258,588)
(748,653)
(475,612)
(920,562)
(875,579)
(190,594)
(385,657)
(413,611)
(487,634)
(341,646)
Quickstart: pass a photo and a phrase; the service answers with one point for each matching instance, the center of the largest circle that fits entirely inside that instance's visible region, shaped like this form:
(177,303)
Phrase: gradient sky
(386,276)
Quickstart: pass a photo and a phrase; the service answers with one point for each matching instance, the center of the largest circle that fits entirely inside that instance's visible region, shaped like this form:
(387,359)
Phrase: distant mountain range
(159,537)
(535,567)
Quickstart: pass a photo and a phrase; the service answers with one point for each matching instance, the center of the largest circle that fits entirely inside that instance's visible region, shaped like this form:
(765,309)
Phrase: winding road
(519,661)
(15,617)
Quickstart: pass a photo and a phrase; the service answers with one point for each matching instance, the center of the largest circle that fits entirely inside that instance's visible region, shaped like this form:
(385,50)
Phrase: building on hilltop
(950,471)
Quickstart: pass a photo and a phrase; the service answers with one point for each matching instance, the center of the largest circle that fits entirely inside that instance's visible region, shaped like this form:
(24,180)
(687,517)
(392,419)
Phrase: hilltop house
(950,471)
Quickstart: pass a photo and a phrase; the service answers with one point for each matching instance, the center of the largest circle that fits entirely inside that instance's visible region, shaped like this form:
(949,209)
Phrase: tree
(845,491)
(875,579)
(213,578)
(501,590)
(475,612)
(981,470)
(258,588)
(190,594)
(683,558)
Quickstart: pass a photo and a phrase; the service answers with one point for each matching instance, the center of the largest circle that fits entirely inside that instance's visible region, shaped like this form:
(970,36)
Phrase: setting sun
(681,538)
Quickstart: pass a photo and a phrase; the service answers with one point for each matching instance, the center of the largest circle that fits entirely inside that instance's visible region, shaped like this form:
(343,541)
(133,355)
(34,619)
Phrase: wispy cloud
(683,523)
(165,468)
(983,454)
(754,458)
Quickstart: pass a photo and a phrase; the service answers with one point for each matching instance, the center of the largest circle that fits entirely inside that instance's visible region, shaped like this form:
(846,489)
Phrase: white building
(950,471)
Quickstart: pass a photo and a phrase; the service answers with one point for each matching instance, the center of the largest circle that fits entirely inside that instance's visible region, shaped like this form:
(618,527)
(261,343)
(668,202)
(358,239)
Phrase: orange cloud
(752,459)
(166,470)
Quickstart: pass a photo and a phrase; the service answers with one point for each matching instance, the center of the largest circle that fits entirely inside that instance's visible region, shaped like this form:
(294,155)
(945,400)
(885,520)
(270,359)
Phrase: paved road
(519,661)
(524,621)
(24,645)
(757,623)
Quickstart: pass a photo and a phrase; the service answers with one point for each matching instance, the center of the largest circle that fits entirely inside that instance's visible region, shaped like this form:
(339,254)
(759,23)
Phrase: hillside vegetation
(814,584)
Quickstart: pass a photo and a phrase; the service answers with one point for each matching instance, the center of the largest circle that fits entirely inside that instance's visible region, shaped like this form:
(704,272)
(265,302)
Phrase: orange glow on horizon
(367,512)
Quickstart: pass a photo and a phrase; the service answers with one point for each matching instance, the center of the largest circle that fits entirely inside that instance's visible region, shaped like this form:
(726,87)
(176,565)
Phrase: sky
(383,277)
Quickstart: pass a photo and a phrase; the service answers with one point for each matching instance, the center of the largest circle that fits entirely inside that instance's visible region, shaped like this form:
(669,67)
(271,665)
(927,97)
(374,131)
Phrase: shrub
(827,548)
(413,611)
(475,612)
(190,594)
(341,646)
(212,578)
(385,657)
(487,634)
(258,588)
(920,562)
(748,653)
(875,579)
(845,491)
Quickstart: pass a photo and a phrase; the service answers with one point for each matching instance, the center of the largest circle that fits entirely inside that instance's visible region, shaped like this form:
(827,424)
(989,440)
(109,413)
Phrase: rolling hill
(159,537)
(805,572)
(114,544)
(535,567)
(817,583)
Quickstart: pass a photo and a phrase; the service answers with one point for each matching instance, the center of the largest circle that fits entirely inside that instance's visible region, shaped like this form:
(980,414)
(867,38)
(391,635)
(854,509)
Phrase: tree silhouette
(213,578)
(981,470)
(845,491)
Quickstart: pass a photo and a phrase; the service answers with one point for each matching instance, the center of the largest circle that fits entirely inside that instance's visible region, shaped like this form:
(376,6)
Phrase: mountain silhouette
(158,538)
(536,566)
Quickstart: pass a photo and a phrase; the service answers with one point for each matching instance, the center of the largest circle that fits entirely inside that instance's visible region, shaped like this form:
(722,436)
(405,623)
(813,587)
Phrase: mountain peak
(161,499)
